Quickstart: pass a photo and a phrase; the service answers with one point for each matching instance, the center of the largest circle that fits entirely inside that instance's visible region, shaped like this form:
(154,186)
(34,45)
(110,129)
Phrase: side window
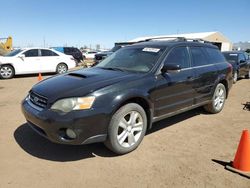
(215,55)
(178,56)
(48,53)
(198,56)
(31,53)
(242,58)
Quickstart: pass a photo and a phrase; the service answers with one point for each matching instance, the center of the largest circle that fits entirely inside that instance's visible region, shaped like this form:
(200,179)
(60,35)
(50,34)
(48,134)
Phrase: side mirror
(171,68)
(21,56)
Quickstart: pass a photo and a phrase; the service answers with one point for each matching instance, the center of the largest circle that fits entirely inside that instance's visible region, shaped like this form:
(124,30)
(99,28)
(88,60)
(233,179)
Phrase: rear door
(49,60)
(174,91)
(205,74)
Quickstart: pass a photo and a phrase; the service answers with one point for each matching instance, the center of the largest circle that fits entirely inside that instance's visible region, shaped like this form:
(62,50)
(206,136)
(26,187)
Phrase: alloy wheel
(129,129)
(6,72)
(61,69)
(219,98)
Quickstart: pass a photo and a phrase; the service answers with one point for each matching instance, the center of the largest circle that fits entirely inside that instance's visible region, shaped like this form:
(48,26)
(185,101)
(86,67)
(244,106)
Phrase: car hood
(80,83)
(4,59)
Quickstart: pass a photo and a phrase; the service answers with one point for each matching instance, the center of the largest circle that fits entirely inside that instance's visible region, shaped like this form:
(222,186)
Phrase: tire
(6,72)
(61,68)
(235,77)
(126,129)
(248,75)
(218,100)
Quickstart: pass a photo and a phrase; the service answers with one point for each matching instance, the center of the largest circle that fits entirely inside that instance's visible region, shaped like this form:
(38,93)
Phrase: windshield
(136,59)
(13,53)
(115,48)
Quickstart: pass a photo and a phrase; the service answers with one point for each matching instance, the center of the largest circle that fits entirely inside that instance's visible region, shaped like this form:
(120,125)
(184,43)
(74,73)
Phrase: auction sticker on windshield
(155,50)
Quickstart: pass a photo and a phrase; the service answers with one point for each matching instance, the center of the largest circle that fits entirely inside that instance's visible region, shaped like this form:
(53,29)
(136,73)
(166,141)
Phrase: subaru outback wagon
(117,101)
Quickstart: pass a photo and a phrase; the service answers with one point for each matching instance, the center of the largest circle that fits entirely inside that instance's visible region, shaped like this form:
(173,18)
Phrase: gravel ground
(188,150)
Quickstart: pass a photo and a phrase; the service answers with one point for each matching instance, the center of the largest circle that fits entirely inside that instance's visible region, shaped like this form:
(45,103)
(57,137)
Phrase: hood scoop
(76,75)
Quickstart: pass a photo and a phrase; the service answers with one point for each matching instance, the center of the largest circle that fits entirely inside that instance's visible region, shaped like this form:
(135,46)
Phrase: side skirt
(155,119)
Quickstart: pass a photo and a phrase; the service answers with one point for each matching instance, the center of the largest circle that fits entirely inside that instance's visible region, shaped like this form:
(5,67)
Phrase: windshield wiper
(112,68)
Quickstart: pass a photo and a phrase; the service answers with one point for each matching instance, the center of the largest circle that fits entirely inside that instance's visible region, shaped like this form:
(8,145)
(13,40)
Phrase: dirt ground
(188,150)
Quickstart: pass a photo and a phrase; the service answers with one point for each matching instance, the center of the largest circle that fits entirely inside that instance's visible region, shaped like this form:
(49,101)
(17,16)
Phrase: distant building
(215,37)
(241,46)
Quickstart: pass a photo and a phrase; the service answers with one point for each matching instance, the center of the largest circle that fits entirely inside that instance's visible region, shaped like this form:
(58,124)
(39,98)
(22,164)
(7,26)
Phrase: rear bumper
(90,126)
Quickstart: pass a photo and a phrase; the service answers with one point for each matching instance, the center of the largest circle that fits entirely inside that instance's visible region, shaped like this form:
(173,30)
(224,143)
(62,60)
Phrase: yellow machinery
(5,46)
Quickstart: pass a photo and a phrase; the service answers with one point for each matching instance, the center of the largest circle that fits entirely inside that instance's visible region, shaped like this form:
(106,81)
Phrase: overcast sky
(80,22)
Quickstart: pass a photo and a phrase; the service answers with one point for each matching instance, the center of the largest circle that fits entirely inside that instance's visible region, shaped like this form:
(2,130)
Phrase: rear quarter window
(215,55)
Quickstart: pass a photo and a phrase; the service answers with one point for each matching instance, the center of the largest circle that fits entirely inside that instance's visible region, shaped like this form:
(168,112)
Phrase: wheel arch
(62,63)
(223,79)
(140,100)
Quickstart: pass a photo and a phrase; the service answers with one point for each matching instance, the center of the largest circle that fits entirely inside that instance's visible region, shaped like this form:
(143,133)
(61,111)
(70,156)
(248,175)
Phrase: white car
(34,60)
(89,54)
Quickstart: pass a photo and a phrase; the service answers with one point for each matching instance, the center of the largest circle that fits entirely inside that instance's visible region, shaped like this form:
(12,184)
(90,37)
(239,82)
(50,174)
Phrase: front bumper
(90,126)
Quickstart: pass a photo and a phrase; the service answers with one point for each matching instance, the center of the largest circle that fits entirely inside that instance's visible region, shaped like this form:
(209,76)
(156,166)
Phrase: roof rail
(177,39)
(155,38)
(124,43)
(198,40)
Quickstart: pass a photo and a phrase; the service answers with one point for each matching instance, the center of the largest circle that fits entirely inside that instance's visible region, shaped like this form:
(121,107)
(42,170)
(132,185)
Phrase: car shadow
(175,119)
(33,75)
(40,147)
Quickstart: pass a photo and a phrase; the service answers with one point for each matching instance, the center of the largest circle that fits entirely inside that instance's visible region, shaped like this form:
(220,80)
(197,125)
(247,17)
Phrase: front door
(174,90)
(31,61)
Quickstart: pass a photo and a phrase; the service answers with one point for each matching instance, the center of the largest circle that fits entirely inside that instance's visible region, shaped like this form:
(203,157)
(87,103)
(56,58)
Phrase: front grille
(38,100)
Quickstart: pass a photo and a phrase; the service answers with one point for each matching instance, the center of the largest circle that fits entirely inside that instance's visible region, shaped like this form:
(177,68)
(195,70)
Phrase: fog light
(70,133)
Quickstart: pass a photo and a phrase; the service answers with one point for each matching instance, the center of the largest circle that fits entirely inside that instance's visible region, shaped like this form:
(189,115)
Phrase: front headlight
(67,105)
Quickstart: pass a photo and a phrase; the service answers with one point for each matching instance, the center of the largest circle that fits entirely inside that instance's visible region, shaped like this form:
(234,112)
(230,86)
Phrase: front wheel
(6,72)
(218,101)
(61,68)
(127,129)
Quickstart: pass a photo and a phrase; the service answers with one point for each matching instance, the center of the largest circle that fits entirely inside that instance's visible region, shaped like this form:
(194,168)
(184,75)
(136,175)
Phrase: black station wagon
(240,62)
(118,100)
